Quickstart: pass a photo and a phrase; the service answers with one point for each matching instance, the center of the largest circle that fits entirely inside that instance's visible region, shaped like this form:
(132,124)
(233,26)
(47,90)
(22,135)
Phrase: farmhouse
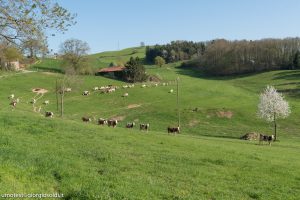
(115,71)
(13,65)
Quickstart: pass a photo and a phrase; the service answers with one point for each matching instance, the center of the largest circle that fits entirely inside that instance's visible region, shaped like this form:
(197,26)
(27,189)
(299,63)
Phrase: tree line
(175,51)
(223,57)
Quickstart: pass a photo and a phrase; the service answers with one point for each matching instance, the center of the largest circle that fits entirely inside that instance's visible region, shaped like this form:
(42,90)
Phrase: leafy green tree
(296,61)
(22,18)
(135,71)
(159,61)
(12,54)
(74,54)
(35,45)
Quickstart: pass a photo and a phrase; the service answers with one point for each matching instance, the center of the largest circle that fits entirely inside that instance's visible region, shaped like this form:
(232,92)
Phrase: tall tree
(272,106)
(22,18)
(159,61)
(35,45)
(135,71)
(74,54)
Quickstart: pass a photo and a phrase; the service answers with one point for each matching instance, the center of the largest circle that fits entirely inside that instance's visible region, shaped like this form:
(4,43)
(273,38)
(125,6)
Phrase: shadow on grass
(288,75)
(198,73)
(48,69)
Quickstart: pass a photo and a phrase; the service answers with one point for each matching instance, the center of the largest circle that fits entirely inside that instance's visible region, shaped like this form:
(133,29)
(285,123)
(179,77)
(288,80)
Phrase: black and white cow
(112,122)
(49,114)
(130,125)
(144,127)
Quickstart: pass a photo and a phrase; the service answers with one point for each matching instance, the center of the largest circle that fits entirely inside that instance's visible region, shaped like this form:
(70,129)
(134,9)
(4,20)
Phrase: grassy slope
(40,155)
(89,162)
(99,60)
(158,107)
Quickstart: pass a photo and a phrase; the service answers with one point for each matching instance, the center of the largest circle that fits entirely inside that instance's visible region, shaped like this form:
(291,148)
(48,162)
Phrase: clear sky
(105,23)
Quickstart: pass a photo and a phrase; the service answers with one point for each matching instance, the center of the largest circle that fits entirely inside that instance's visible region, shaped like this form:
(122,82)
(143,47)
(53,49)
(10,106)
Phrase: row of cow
(113,123)
(112,88)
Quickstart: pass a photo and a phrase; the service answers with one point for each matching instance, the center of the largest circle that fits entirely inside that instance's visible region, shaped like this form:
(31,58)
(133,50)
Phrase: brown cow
(173,129)
(86,119)
(102,121)
(49,114)
(112,122)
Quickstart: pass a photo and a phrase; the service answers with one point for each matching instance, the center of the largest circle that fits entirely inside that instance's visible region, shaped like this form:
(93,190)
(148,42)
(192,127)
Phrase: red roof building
(111,69)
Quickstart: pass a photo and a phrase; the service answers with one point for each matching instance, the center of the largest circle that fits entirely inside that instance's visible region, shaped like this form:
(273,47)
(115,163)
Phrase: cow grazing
(11,96)
(173,129)
(68,90)
(33,101)
(86,119)
(13,104)
(131,86)
(86,93)
(143,86)
(96,88)
(111,90)
(171,91)
(17,100)
(46,102)
(125,86)
(130,125)
(266,138)
(125,95)
(49,114)
(112,122)
(102,121)
(144,127)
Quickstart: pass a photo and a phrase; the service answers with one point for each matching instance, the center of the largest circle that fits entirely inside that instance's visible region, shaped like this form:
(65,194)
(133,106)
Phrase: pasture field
(207,161)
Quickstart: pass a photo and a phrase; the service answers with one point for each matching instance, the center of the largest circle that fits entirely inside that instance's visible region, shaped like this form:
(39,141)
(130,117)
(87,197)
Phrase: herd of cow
(113,123)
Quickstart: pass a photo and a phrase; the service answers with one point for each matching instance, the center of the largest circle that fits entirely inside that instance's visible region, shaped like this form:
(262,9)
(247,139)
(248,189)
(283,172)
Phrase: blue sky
(105,23)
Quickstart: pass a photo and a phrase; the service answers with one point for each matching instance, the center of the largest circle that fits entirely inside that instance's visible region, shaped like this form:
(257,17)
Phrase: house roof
(112,69)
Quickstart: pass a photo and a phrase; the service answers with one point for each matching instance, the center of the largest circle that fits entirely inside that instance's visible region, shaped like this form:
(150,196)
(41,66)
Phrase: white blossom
(272,105)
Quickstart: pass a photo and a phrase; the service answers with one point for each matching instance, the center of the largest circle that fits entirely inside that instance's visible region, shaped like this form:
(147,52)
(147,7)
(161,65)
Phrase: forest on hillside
(224,57)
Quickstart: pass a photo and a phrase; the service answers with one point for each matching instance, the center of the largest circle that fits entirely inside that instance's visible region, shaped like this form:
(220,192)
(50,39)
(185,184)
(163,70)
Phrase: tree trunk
(275,128)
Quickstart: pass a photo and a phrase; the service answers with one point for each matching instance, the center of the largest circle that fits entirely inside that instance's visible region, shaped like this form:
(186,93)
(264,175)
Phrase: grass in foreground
(89,162)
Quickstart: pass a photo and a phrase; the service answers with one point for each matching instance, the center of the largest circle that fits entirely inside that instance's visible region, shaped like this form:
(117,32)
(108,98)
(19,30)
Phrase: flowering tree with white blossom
(272,106)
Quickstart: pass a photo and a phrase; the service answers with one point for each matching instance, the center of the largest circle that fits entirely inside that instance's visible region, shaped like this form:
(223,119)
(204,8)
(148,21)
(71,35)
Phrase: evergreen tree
(135,71)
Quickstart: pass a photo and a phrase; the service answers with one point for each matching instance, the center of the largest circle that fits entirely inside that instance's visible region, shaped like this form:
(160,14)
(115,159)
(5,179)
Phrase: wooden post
(56,90)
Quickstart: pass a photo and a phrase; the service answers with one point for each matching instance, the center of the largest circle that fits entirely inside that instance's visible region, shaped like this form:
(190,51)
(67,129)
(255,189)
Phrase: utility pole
(178,111)
(56,91)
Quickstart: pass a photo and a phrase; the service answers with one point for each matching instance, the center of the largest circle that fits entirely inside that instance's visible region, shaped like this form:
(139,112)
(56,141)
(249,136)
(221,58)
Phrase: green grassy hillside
(206,161)
(81,161)
(96,61)
(226,107)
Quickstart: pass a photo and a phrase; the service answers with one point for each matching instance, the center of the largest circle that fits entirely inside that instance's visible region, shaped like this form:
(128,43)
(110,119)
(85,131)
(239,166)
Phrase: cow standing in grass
(173,130)
(86,119)
(144,127)
(112,122)
(49,114)
(266,138)
(130,125)
(102,121)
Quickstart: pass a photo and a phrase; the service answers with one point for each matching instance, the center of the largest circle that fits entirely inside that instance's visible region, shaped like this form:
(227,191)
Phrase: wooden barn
(115,71)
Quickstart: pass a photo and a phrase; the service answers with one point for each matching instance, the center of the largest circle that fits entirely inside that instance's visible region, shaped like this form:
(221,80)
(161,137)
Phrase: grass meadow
(206,161)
